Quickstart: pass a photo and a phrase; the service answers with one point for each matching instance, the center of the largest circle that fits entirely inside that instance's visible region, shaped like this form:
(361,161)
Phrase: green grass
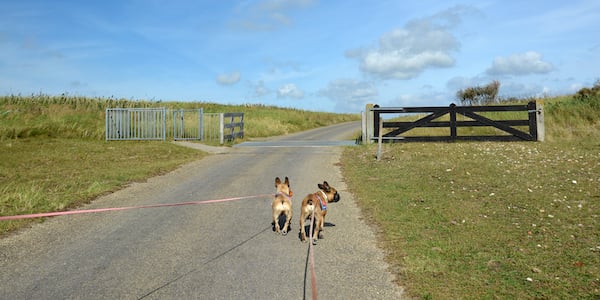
(489,220)
(46,175)
(53,155)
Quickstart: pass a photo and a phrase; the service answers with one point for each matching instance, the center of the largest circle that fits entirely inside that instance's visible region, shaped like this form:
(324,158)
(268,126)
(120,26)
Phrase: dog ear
(324,186)
(287,181)
(277,181)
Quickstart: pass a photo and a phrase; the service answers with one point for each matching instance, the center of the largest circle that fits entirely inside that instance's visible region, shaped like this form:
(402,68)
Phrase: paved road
(211,251)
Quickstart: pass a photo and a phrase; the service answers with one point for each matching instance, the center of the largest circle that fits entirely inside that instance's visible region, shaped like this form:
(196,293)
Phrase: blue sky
(305,54)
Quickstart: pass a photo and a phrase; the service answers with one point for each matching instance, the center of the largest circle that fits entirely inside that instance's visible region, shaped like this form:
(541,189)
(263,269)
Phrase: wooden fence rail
(428,117)
(230,122)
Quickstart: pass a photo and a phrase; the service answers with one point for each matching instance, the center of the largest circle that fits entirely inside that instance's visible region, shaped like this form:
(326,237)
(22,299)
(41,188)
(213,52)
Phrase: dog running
(282,205)
(317,202)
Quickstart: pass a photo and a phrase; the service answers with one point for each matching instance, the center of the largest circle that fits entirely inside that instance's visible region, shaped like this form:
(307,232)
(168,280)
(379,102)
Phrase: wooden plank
(503,127)
(458,124)
(418,123)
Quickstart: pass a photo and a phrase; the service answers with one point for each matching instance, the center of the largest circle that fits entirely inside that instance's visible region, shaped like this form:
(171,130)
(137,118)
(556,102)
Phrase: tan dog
(282,205)
(317,203)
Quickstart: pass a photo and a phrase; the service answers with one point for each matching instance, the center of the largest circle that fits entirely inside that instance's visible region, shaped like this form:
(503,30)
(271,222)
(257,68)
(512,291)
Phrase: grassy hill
(80,117)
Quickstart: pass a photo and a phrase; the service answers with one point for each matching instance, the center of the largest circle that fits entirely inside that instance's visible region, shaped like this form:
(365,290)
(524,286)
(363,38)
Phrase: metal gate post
(201,124)
(221,128)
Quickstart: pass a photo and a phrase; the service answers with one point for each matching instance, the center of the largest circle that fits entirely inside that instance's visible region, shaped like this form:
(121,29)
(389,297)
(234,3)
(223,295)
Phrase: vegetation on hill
(81,117)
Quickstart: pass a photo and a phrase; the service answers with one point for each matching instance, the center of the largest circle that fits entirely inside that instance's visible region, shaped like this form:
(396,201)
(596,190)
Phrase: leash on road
(96,210)
(313,276)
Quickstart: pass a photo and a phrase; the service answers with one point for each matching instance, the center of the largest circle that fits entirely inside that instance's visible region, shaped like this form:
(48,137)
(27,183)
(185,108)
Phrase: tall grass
(80,117)
(574,119)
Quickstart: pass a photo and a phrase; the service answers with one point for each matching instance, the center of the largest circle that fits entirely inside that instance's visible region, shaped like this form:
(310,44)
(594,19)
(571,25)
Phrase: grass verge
(45,175)
(485,220)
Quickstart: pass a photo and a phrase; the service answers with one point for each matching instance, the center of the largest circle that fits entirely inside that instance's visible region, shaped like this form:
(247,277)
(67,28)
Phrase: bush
(590,96)
(479,95)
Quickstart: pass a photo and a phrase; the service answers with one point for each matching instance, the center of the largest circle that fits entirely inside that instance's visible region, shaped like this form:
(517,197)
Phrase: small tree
(585,94)
(479,95)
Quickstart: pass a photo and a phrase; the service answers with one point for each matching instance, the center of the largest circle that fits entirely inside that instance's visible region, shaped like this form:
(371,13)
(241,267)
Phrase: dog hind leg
(276,221)
(288,219)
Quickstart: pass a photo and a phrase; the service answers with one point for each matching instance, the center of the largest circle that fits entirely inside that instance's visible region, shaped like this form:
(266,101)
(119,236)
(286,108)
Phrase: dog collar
(286,195)
(323,202)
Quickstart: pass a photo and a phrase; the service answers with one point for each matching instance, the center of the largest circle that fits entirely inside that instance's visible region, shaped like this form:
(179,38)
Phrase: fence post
(376,118)
(453,131)
(221,129)
(532,116)
(369,125)
(363,127)
(541,131)
(201,124)
(379,138)
(232,127)
(106,120)
(242,125)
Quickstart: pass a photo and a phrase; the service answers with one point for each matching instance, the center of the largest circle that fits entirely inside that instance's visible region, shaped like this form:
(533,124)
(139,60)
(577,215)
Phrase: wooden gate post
(453,131)
(541,131)
(379,135)
(376,118)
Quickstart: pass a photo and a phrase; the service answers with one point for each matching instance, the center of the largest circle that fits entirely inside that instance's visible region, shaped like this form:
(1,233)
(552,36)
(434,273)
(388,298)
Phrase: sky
(327,55)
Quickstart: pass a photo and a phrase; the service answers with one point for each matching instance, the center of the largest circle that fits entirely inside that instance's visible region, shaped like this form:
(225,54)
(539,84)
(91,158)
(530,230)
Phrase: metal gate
(136,124)
(188,124)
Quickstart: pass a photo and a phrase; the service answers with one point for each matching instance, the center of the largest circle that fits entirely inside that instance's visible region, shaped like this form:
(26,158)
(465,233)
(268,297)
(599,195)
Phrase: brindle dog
(282,205)
(317,202)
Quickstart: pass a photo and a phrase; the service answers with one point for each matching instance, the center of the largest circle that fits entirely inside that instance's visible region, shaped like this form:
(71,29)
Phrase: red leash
(87,211)
(313,276)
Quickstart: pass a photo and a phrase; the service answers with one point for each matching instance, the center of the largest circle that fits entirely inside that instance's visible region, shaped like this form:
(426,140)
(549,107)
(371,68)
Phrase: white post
(541,131)
(221,129)
(363,126)
(370,127)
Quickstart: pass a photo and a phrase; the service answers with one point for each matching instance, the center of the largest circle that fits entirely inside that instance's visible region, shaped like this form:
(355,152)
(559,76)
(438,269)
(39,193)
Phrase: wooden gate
(530,127)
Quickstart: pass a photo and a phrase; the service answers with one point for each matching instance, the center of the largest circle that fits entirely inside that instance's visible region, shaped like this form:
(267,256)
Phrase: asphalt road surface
(225,250)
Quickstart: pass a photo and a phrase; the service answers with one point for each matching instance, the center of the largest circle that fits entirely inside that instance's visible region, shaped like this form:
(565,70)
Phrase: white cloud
(229,79)
(523,90)
(404,53)
(350,94)
(269,14)
(290,91)
(526,63)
